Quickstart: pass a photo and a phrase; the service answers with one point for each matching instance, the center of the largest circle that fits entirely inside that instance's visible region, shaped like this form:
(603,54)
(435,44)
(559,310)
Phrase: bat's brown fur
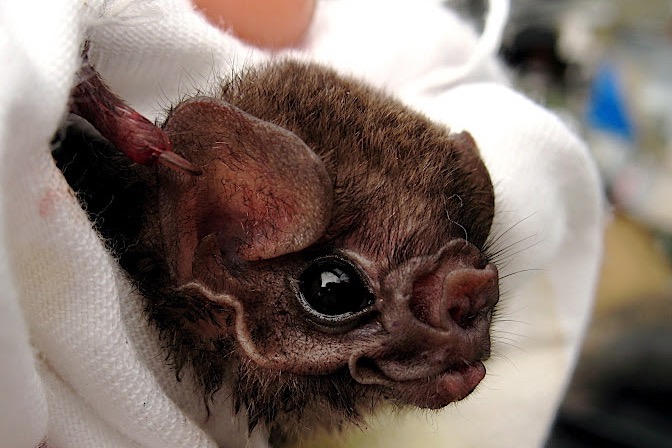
(377,151)
(403,188)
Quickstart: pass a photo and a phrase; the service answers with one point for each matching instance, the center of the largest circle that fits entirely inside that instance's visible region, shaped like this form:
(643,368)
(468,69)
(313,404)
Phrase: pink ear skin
(263,192)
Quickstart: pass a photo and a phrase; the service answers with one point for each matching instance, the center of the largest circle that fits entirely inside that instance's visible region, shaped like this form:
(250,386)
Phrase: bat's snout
(436,311)
(457,298)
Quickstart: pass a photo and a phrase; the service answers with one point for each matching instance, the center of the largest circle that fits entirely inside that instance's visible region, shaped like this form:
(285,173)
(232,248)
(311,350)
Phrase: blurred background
(606,67)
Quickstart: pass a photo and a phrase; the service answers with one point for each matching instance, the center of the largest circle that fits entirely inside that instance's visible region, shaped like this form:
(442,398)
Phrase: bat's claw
(178,163)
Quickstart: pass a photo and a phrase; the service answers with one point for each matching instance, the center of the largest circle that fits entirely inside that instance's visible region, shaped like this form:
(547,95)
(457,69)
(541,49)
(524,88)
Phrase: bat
(318,247)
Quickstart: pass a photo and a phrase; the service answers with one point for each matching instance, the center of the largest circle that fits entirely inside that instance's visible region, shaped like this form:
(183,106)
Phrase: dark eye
(332,287)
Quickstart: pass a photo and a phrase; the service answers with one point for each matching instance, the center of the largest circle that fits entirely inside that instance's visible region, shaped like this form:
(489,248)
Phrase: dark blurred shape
(534,49)
(622,392)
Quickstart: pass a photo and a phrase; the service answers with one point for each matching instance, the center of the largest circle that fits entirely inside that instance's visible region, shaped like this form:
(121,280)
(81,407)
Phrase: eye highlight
(333,288)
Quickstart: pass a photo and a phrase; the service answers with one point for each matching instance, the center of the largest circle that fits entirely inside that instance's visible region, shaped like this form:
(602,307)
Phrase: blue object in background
(607,109)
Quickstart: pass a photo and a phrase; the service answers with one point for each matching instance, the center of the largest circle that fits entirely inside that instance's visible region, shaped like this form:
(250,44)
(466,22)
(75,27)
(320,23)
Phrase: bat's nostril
(463,310)
(457,314)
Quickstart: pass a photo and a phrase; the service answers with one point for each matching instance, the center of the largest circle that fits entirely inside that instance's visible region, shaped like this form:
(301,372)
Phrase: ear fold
(263,191)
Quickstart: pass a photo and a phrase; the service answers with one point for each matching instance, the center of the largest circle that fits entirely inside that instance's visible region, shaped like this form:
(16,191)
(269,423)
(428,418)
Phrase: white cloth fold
(78,365)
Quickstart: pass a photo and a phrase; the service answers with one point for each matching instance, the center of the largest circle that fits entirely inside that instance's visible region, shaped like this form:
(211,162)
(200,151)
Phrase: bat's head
(331,254)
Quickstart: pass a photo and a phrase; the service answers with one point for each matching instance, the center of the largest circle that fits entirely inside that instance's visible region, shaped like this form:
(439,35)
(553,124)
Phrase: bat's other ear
(263,191)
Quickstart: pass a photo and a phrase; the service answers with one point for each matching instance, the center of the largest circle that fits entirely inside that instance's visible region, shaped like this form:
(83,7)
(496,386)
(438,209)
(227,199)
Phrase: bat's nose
(441,326)
(435,312)
(443,300)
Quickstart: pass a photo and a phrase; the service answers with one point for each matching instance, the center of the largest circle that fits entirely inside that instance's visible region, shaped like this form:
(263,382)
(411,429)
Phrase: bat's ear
(263,191)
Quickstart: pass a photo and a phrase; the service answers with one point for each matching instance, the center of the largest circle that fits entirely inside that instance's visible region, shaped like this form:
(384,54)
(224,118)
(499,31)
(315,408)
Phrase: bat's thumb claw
(178,163)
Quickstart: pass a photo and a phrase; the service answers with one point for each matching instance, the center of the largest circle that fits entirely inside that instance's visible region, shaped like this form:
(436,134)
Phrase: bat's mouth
(429,392)
(443,389)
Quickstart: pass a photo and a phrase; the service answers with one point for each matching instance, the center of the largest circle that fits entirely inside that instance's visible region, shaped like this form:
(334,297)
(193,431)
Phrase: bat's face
(331,254)
(346,256)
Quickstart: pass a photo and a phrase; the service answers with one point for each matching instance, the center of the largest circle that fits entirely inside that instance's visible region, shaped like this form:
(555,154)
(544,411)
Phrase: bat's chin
(440,390)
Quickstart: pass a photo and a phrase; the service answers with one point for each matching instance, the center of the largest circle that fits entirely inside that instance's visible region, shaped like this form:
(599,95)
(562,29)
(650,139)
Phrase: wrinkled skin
(303,168)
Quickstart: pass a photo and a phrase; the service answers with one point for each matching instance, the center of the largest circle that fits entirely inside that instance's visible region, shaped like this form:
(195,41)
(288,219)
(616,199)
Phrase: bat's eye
(334,288)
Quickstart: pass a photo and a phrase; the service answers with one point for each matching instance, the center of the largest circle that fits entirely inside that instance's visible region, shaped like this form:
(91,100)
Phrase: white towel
(79,367)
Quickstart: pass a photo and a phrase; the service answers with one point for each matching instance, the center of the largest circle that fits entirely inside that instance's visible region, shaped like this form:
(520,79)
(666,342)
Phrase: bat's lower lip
(440,390)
